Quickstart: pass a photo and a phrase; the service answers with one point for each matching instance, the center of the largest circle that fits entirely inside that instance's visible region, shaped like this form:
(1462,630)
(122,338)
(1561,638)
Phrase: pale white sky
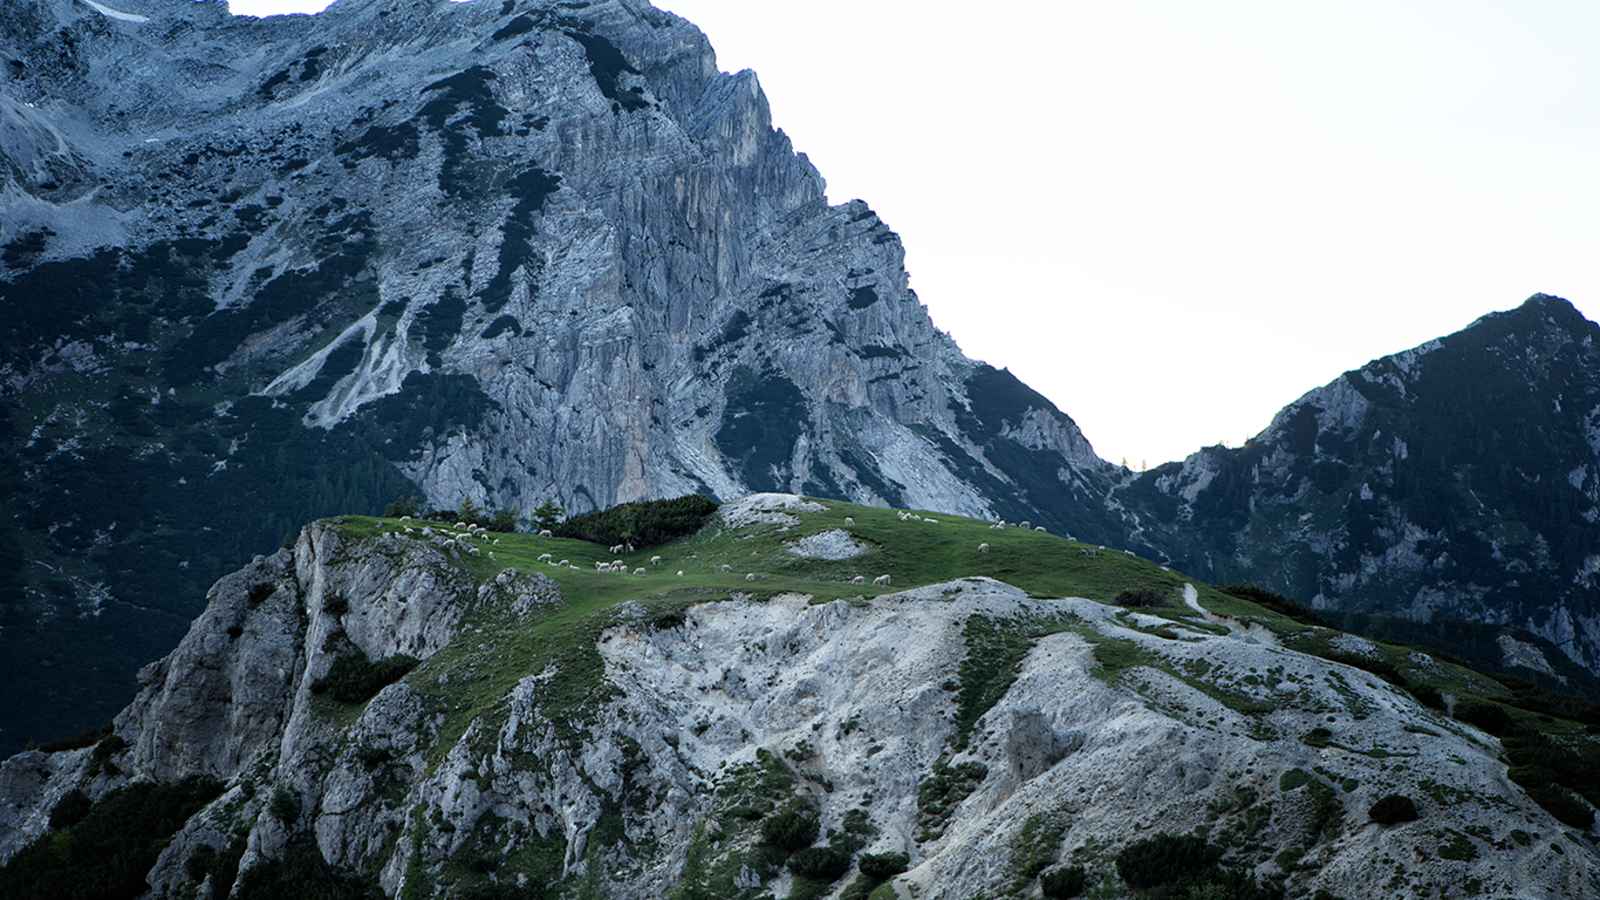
(1172,218)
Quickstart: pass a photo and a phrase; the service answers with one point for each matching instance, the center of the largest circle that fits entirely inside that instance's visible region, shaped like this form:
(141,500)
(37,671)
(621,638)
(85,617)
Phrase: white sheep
(615,549)
(750,576)
(1129,552)
(655,560)
(859,579)
(461,524)
(473,550)
(680,573)
(629,547)
(1024,524)
(545,532)
(544,557)
(638,571)
(1038,528)
(725,567)
(565,562)
(619,562)
(983,548)
(405,518)
(882,581)
(849,520)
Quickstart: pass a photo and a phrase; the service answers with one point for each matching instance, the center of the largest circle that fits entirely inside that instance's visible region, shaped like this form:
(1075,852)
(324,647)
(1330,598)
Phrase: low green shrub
(791,827)
(1165,859)
(820,863)
(883,866)
(284,805)
(72,808)
(355,679)
(1063,883)
(1393,810)
(643,524)
(1141,598)
(104,751)
(1490,717)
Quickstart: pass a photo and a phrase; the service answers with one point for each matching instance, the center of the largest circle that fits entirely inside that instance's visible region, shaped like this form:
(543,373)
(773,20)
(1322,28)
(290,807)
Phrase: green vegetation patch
(995,651)
(941,792)
(108,852)
(645,524)
(353,678)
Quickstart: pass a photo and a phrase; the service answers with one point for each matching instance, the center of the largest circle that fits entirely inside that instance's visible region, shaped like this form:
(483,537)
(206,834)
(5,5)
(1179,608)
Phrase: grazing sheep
(849,520)
(639,571)
(629,546)
(405,518)
(655,560)
(1024,524)
(859,579)
(1038,528)
(614,549)
(983,548)
(543,557)
(619,562)
(680,573)
(565,562)
(882,580)
(461,524)
(725,567)
(1129,552)
(473,550)
(572,567)
(750,576)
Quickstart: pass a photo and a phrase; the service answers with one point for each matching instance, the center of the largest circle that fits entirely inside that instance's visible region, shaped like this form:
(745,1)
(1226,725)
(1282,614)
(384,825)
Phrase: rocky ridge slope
(262,271)
(1455,482)
(633,735)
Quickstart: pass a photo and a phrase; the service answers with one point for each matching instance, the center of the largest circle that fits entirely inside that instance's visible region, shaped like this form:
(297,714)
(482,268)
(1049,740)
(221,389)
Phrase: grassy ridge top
(926,548)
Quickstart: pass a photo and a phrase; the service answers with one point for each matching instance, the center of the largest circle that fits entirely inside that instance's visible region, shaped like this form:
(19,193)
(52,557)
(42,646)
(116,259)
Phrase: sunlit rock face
(257,271)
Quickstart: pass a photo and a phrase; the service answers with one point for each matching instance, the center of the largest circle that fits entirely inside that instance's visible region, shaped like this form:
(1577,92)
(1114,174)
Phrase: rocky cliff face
(640,746)
(1459,481)
(259,271)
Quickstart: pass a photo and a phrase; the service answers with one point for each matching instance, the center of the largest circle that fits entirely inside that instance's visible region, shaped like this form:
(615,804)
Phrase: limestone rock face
(503,252)
(639,766)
